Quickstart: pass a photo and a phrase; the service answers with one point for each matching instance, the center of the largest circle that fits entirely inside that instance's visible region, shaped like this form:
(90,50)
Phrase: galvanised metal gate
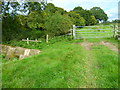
(101,31)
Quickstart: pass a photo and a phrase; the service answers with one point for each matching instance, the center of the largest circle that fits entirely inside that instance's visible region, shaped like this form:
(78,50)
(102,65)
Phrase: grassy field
(64,63)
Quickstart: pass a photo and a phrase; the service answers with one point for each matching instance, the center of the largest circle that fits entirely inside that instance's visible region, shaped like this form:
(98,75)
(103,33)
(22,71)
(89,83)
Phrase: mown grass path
(105,65)
(92,63)
(89,62)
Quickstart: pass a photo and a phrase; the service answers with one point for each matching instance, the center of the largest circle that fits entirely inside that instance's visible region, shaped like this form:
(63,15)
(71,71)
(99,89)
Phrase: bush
(58,25)
(22,34)
(34,34)
(12,29)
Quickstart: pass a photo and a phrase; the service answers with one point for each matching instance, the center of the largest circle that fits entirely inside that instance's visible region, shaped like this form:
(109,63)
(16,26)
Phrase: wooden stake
(114,31)
(47,38)
(27,40)
(74,37)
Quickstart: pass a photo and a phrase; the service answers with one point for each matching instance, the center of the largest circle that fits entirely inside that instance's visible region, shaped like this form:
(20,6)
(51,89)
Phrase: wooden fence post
(114,32)
(47,38)
(74,37)
(27,40)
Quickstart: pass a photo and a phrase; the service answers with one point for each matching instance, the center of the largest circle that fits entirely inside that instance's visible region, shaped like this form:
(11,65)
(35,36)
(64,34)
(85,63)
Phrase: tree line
(36,19)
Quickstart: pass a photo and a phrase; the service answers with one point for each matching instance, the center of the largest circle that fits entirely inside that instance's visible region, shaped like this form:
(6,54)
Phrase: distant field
(65,63)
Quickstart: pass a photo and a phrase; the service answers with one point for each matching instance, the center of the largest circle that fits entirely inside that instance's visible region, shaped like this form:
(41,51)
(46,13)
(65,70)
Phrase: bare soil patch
(109,45)
(86,45)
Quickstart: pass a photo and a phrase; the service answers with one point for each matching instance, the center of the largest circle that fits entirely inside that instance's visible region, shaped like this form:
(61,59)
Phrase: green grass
(55,67)
(39,45)
(111,40)
(106,67)
(62,64)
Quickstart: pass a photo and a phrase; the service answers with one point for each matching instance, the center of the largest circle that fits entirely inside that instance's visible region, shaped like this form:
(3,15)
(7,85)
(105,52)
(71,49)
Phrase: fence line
(92,32)
(76,33)
(95,37)
(27,40)
(93,29)
(95,26)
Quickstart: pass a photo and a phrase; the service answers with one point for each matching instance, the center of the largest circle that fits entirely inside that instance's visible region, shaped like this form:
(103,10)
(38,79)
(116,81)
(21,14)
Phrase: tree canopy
(61,25)
(86,15)
(76,18)
(35,19)
(99,14)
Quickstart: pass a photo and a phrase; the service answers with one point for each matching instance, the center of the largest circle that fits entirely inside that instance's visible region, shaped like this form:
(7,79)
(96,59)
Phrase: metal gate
(101,31)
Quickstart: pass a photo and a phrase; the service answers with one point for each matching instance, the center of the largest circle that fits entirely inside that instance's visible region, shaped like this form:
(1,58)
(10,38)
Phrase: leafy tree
(58,25)
(10,24)
(50,8)
(76,18)
(10,30)
(60,10)
(99,14)
(23,20)
(86,14)
(12,8)
(5,8)
(19,28)
(34,6)
(93,20)
(35,20)
(78,9)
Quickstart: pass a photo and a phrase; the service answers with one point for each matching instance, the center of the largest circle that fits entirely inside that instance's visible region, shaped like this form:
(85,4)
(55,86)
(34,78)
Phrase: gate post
(47,38)
(27,40)
(114,32)
(74,37)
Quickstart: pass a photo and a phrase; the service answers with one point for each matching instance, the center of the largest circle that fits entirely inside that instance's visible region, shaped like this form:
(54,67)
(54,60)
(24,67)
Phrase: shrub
(58,25)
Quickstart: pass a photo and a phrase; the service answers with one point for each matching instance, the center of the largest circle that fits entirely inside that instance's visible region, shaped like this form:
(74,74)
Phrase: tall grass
(106,67)
(58,66)
(62,65)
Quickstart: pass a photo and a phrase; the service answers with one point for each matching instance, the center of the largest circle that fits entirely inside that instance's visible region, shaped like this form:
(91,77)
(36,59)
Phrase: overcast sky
(109,6)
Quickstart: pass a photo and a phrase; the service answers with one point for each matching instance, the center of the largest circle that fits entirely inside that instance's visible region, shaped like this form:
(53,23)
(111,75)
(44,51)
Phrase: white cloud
(112,13)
